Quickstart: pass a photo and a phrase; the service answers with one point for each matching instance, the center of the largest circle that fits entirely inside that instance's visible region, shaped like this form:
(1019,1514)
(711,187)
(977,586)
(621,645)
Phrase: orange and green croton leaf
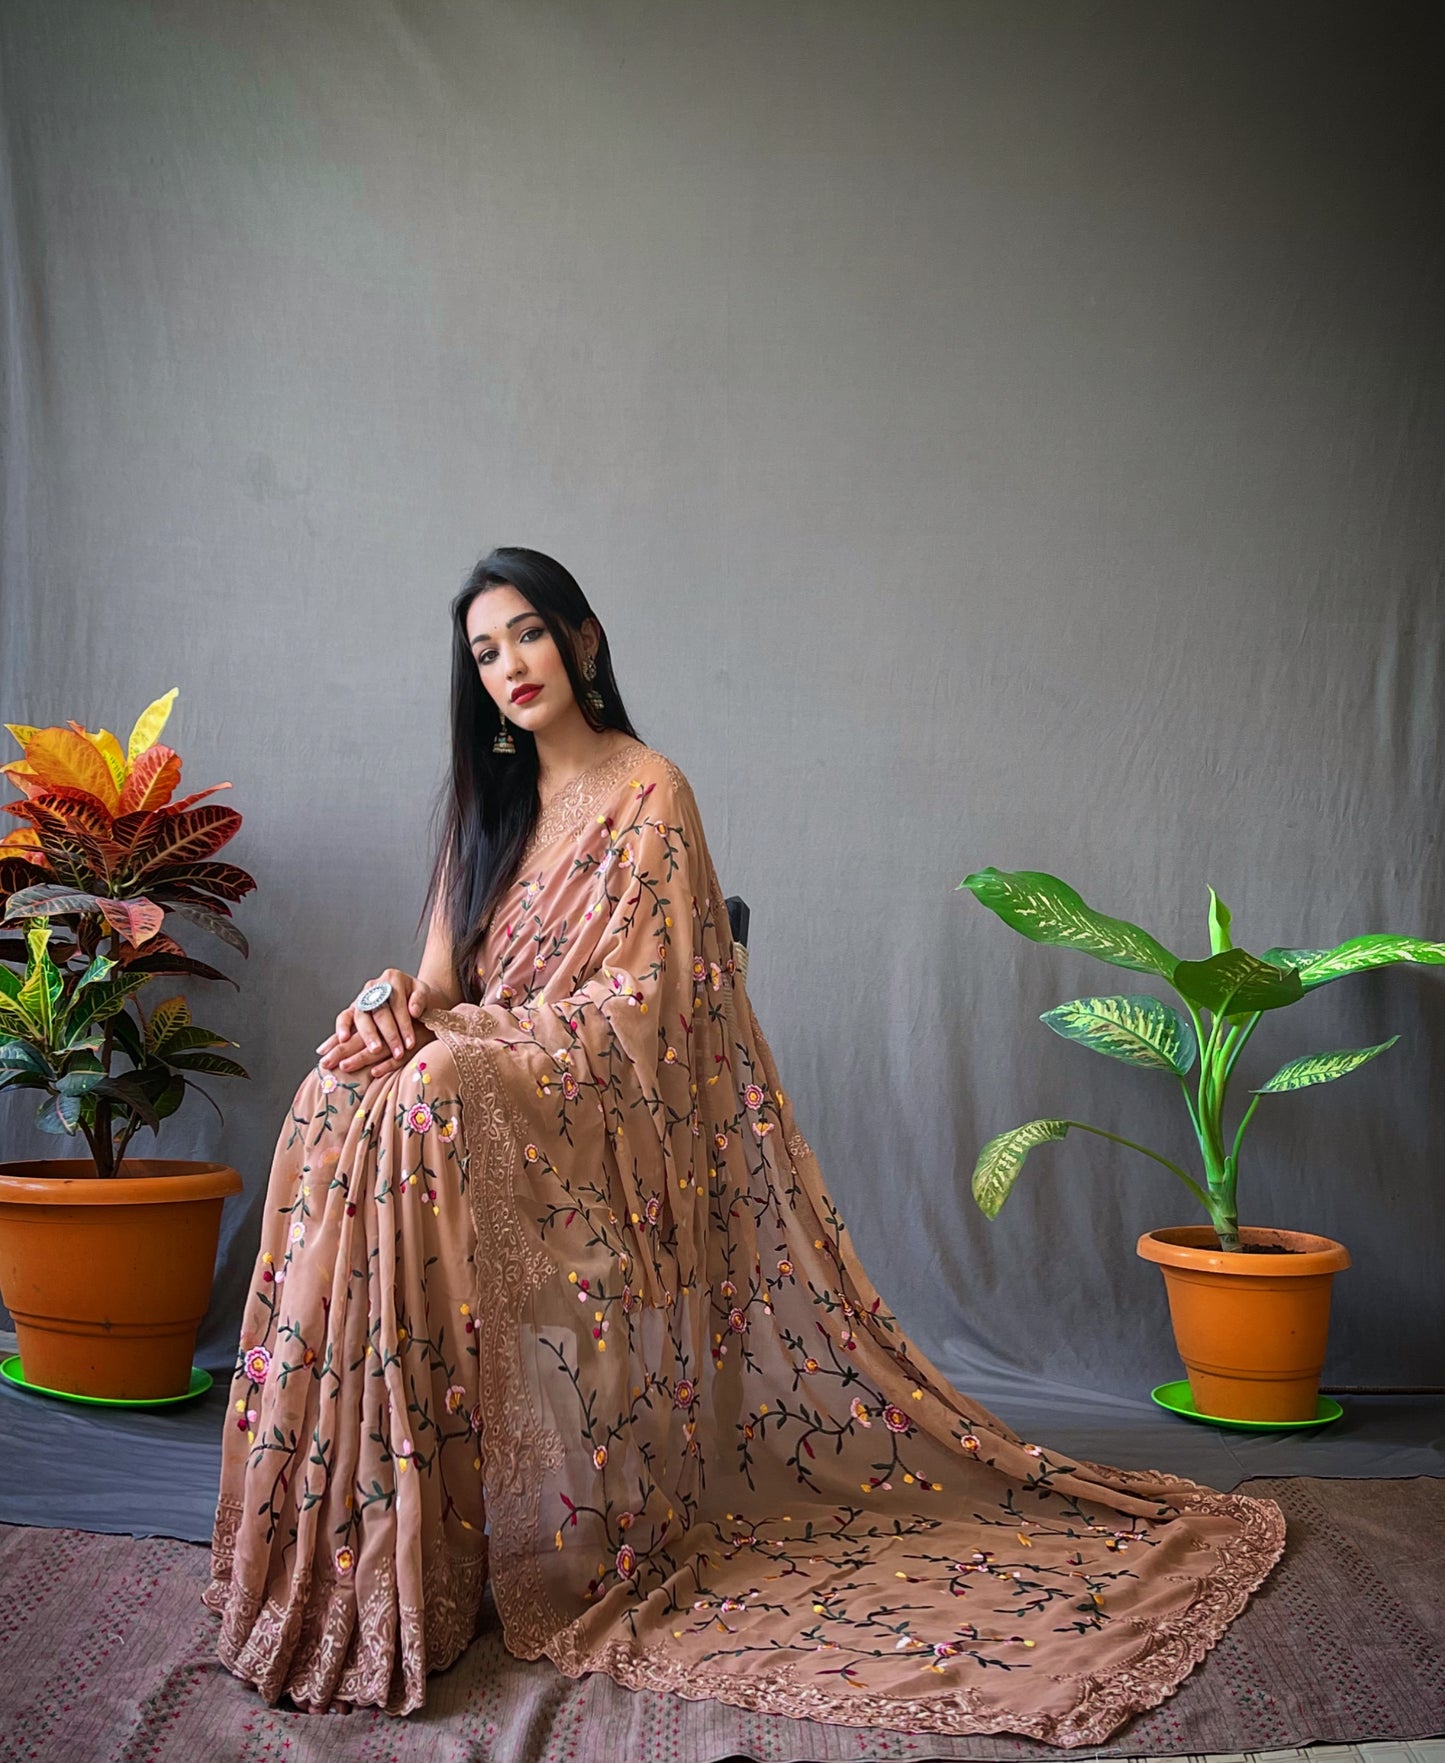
(74,758)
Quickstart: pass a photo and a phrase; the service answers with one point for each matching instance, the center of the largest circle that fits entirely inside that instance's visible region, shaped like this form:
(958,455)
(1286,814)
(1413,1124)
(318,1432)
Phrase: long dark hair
(488,805)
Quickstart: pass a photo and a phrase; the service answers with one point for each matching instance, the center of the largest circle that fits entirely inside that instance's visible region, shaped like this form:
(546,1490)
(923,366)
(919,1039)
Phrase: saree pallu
(564,1304)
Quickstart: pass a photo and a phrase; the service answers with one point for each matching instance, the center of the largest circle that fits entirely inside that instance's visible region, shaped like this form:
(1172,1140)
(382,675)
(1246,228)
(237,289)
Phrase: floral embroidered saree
(565,1305)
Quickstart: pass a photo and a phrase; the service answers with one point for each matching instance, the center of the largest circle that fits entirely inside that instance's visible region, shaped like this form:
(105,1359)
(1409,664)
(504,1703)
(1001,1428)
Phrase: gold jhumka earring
(594,697)
(503,742)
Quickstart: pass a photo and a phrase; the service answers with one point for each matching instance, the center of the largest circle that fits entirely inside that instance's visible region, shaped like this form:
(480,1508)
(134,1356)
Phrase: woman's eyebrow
(482,636)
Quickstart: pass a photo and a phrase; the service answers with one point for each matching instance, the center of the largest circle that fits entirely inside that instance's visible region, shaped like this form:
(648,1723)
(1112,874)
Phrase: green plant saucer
(1177,1398)
(201,1381)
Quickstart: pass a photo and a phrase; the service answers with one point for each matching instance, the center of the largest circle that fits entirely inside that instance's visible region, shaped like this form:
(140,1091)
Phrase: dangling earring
(594,697)
(503,743)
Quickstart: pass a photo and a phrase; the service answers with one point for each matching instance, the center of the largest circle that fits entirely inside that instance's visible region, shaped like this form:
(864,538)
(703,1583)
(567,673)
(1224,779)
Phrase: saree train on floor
(573,1275)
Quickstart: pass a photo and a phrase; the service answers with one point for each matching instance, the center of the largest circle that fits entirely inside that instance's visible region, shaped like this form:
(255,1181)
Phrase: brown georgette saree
(568,1292)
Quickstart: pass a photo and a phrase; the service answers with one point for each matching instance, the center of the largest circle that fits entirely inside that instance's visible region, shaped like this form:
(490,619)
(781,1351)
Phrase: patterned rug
(108,1658)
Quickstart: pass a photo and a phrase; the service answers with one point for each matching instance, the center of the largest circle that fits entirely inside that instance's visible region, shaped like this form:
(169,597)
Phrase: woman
(548,1269)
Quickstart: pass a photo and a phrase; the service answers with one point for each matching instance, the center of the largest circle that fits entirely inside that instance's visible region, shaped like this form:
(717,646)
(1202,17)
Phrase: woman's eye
(489,655)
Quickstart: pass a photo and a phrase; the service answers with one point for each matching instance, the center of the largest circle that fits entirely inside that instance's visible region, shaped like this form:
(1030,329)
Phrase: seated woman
(550,1291)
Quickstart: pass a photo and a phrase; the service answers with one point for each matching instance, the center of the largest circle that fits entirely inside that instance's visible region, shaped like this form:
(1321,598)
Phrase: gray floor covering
(154,1472)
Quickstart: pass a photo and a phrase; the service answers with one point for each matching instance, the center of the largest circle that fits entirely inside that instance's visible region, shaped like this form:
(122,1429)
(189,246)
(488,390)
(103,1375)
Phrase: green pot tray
(1176,1397)
(201,1381)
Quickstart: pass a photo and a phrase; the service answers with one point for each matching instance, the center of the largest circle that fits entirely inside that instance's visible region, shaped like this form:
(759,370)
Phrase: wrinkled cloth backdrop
(712,1461)
(991,432)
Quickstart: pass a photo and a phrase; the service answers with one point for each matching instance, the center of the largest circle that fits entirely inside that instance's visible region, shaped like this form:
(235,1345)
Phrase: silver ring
(372,997)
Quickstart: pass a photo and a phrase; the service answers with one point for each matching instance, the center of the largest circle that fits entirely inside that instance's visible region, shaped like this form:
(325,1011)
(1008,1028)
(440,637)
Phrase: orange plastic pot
(1251,1328)
(107,1279)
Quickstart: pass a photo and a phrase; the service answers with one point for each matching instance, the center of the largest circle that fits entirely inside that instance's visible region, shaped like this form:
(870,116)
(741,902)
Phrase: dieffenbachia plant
(1224,999)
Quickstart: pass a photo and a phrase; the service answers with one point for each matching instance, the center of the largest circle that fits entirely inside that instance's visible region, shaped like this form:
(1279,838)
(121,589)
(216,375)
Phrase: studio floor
(112,1656)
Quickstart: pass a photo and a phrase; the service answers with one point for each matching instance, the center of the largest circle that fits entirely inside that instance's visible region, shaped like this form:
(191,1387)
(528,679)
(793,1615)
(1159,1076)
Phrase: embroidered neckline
(569,808)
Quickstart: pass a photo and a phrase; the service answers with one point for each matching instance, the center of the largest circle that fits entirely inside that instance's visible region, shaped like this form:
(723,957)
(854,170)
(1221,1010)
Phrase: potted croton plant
(1250,1305)
(106,1258)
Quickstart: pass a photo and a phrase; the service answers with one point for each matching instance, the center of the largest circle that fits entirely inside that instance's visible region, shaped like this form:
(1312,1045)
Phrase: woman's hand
(384,1038)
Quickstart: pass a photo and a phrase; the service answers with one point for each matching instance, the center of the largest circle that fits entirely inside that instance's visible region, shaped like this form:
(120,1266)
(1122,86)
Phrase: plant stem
(1248,1116)
(1173,1168)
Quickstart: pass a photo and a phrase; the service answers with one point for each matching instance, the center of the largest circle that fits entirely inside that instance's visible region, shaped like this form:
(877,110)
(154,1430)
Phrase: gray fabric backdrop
(991,432)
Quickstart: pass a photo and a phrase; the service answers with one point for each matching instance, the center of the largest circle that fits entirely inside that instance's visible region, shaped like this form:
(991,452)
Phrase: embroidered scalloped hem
(1106,1700)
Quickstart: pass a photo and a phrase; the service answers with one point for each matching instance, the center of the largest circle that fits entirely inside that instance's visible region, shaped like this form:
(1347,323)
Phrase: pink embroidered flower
(626,1561)
(859,1410)
(418,1117)
(810,1365)
(737,1321)
(969,1442)
(447,1130)
(599,1456)
(785,1267)
(1033,1450)
(629,1301)
(456,1397)
(570,1086)
(670,1056)
(298,1232)
(345,1560)
(476,1418)
(258,1364)
(727,1289)
(762,1128)
(895,1419)
(753,1096)
(699,968)
(720,1139)
(653,1209)
(538,962)
(329,1082)
(531,1153)
(714,974)
(683,1392)
(506,995)
(626,1520)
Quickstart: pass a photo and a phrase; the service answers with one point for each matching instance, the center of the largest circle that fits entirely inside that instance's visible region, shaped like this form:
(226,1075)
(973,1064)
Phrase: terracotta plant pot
(1250,1327)
(108,1280)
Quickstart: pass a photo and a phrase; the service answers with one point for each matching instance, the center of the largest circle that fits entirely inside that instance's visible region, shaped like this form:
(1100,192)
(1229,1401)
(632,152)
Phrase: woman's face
(514,651)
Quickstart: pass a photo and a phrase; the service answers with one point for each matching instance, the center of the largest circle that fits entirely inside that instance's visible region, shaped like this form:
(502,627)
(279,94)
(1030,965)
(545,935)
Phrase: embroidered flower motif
(258,1364)
(859,1410)
(785,1267)
(570,1086)
(629,1301)
(475,1418)
(626,1561)
(969,1442)
(245,1418)
(737,1321)
(345,1560)
(418,1117)
(895,1419)
(506,995)
(626,1520)
(456,1396)
(683,1392)
(447,1130)
(720,1139)
(653,1209)
(298,1232)
(753,1096)
(329,1082)
(531,1153)
(762,1128)
(670,1056)
(599,1456)
(810,1365)
(699,968)
(1033,1450)
(727,1289)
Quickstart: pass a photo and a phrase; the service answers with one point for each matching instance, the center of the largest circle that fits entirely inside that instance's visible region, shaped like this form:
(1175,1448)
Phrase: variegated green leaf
(59,1113)
(1139,1030)
(213,1063)
(1047,910)
(1001,1159)
(43,985)
(1219,921)
(1321,1068)
(1360,954)
(1234,982)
